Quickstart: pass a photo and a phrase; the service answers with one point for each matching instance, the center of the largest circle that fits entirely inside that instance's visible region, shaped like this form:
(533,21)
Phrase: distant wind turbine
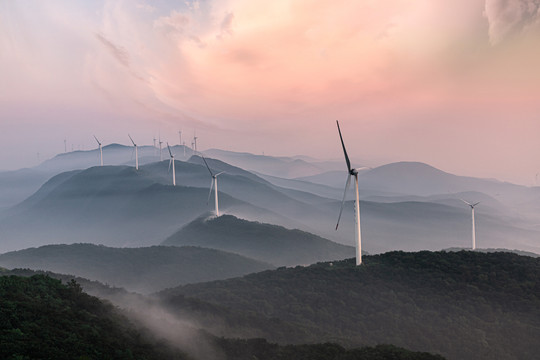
(180,137)
(136,153)
(171,161)
(195,143)
(100,151)
(214,182)
(473,229)
(352,172)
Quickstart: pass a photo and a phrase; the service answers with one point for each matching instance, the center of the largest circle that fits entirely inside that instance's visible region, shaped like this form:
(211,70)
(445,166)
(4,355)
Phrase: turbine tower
(136,153)
(171,161)
(214,182)
(473,228)
(160,155)
(180,137)
(100,151)
(195,143)
(352,172)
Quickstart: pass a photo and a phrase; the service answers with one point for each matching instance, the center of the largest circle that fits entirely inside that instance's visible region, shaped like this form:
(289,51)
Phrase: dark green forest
(464,305)
(41,318)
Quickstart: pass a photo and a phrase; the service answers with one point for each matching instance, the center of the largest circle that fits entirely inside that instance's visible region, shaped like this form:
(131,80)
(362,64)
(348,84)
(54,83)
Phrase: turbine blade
(132,140)
(219,173)
(170,153)
(170,161)
(473,205)
(210,192)
(208,167)
(466,202)
(97,140)
(344,151)
(343,201)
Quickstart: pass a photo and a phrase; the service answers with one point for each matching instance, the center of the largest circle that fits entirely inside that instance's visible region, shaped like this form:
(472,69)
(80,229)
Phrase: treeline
(41,318)
(464,305)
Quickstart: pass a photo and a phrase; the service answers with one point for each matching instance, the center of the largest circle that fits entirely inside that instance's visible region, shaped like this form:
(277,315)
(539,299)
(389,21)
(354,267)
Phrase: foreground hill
(464,305)
(43,319)
(143,270)
(265,242)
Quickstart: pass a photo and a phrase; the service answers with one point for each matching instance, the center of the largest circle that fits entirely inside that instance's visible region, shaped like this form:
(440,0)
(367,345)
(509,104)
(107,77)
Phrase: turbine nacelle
(471,205)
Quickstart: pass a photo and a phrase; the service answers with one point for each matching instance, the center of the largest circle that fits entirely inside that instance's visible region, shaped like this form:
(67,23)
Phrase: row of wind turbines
(214,176)
(352,172)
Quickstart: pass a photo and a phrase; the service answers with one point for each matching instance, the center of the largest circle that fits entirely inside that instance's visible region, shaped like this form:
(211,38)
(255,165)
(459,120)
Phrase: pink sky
(455,84)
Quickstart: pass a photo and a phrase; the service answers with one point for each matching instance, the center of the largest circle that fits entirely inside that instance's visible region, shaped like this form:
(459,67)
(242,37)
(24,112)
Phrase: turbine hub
(354,172)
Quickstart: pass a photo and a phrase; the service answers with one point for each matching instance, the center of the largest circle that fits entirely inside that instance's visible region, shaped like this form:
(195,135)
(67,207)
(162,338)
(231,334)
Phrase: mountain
(463,305)
(144,270)
(115,205)
(287,167)
(264,242)
(44,319)
(15,186)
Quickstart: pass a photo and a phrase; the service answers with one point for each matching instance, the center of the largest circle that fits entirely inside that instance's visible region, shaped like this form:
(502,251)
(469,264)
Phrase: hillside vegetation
(464,305)
(40,318)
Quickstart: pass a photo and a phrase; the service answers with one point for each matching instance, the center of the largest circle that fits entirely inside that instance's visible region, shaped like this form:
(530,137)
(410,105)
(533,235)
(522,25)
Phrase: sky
(455,84)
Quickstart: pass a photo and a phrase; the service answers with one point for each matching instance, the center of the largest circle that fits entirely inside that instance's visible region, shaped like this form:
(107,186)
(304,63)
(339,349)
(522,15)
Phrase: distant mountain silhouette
(270,243)
(146,269)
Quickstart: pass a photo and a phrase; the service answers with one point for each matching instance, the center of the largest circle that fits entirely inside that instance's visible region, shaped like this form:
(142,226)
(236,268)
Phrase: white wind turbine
(136,153)
(171,161)
(352,172)
(473,228)
(100,151)
(214,185)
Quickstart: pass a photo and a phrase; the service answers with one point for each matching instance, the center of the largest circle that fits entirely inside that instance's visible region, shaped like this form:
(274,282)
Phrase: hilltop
(264,242)
(42,318)
(144,270)
(463,305)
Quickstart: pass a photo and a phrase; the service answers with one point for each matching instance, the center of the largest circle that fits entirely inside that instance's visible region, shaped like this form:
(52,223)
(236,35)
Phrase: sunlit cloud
(271,70)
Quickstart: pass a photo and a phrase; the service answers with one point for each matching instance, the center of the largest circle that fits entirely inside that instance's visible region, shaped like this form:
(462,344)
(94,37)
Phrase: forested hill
(42,319)
(144,269)
(464,305)
(264,242)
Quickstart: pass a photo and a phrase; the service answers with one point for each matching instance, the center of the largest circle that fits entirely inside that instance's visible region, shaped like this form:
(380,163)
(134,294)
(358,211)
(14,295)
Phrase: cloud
(507,17)
(117,51)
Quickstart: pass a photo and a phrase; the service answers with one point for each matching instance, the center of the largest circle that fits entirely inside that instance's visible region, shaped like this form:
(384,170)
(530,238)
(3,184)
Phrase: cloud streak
(507,17)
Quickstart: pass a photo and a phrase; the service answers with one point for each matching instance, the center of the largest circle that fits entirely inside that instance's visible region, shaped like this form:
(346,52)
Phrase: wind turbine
(214,182)
(136,153)
(352,172)
(195,143)
(473,230)
(171,160)
(100,151)
(180,136)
